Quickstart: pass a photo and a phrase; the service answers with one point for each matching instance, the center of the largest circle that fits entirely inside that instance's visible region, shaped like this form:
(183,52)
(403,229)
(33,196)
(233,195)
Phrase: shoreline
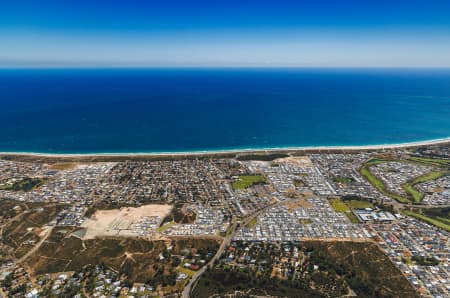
(196,153)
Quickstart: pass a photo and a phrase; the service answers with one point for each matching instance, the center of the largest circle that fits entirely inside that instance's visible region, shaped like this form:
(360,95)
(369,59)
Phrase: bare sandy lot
(126,222)
(302,161)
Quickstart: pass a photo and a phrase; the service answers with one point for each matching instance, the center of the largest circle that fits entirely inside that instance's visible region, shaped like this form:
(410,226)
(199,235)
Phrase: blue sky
(414,33)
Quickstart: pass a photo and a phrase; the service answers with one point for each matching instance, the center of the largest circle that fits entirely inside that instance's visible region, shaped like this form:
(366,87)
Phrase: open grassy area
(247,181)
(61,166)
(375,161)
(431,161)
(165,227)
(433,221)
(377,183)
(253,222)
(356,204)
(416,195)
(24,231)
(340,206)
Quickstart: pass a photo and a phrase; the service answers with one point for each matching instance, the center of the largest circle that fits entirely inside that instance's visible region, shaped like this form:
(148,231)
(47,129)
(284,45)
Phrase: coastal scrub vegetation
(24,184)
(262,156)
(333,268)
(140,260)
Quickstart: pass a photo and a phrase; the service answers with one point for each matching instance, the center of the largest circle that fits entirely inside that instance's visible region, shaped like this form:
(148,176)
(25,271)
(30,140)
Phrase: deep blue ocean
(161,110)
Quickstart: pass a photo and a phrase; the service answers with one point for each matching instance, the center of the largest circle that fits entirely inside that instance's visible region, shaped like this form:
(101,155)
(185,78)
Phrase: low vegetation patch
(425,261)
(22,233)
(378,183)
(433,221)
(331,270)
(431,161)
(253,222)
(357,204)
(247,181)
(345,180)
(341,206)
(416,195)
(140,260)
(24,184)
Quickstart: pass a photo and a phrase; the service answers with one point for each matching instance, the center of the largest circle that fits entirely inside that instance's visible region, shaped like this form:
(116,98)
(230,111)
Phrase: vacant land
(339,205)
(121,222)
(61,166)
(342,206)
(247,181)
(361,266)
(11,208)
(367,270)
(359,204)
(140,260)
(25,229)
(180,214)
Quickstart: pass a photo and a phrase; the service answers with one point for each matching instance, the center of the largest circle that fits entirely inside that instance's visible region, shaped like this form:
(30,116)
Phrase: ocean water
(175,110)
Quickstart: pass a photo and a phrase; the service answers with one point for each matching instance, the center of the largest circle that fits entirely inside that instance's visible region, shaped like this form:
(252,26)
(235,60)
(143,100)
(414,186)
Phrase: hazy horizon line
(132,66)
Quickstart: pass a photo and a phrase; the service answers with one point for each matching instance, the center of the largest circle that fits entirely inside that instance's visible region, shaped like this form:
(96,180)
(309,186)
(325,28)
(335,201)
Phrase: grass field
(247,181)
(253,222)
(165,227)
(340,206)
(431,161)
(428,219)
(416,195)
(377,183)
(355,204)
